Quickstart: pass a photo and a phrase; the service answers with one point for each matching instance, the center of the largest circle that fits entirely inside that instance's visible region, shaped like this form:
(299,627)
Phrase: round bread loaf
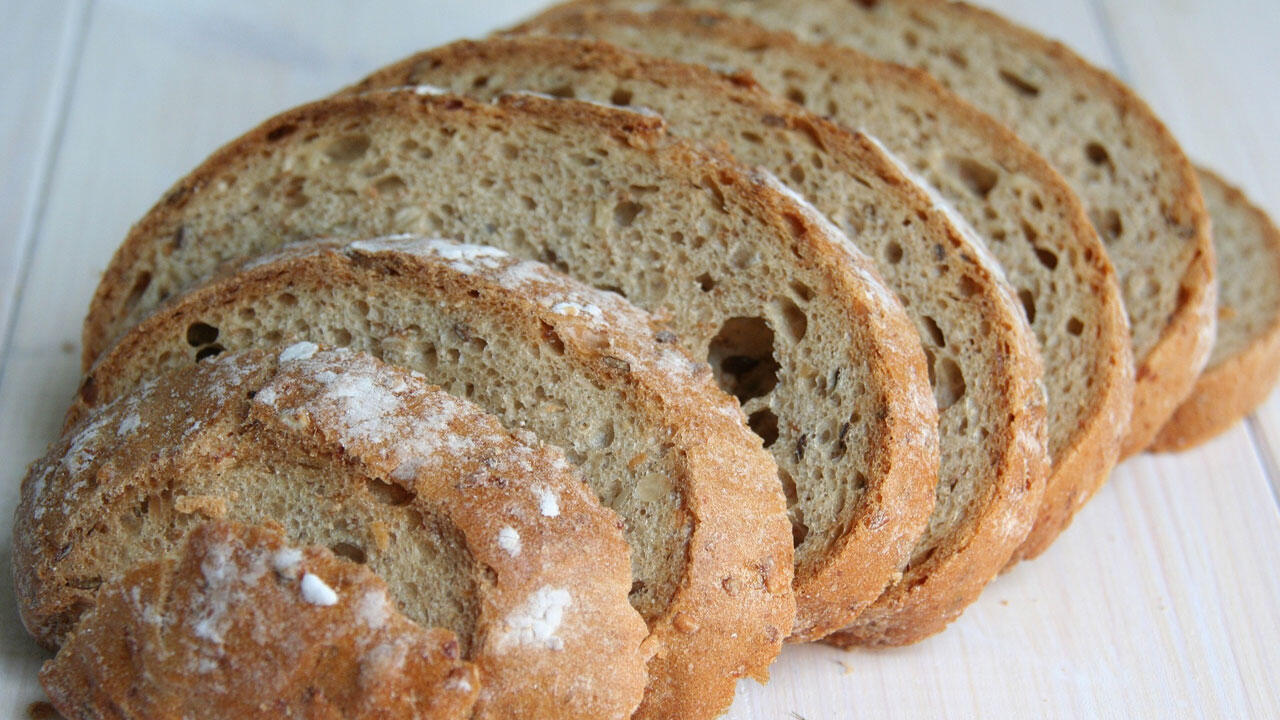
(581,368)
(452,511)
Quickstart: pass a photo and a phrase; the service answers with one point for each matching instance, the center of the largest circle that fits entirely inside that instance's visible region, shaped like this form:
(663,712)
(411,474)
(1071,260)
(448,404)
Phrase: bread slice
(146,650)
(1246,355)
(341,450)
(795,322)
(1137,185)
(580,368)
(982,356)
(1032,222)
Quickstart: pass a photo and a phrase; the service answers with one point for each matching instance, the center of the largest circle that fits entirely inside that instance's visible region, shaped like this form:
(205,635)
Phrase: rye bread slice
(796,323)
(147,648)
(581,369)
(1138,187)
(982,355)
(1033,223)
(1246,355)
(341,450)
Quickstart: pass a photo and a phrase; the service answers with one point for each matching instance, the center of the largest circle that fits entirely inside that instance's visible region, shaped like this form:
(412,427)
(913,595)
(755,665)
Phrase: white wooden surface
(1160,601)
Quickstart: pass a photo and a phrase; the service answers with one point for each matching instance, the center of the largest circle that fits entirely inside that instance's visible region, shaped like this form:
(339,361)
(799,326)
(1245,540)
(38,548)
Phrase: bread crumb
(211,506)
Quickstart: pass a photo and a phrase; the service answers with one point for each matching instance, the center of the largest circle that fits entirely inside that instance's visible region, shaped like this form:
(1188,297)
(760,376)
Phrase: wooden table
(1162,600)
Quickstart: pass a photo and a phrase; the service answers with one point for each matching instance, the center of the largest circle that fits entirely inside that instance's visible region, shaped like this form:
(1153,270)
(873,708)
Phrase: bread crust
(835,604)
(733,606)
(364,422)
(131,655)
(1229,389)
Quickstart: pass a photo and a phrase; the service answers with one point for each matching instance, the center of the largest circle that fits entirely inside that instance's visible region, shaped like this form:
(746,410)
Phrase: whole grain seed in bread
(796,323)
(1033,223)
(320,639)
(345,451)
(582,369)
(1138,187)
(982,356)
(1246,355)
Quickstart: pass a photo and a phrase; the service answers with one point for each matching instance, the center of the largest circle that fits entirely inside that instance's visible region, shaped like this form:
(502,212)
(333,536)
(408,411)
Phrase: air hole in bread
(958,59)
(89,391)
(1028,304)
(803,292)
(1097,154)
(752,138)
(1108,224)
(140,285)
(841,447)
(706,282)
(565,91)
(287,299)
(765,424)
(1075,326)
(794,319)
(281,132)
(967,286)
(625,212)
(390,185)
(795,95)
(341,337)
(347,149)
(350,551)
(208,352)
(510,151)
(1047,258)
(1022,85)
(717,195)
(935,332)
(948,383)
(799,531)
(979,178)
(199,333)
(620,96)
(893,253)
(911,40)
(552,339)
(797,174)
(388,493)
(741,355)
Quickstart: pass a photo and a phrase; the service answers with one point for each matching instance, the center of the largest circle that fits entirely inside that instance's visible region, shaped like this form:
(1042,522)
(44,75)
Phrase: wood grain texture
(1158,602)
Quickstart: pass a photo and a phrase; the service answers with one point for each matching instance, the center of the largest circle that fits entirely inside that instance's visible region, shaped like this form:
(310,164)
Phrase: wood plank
(1208,69)
(42,40)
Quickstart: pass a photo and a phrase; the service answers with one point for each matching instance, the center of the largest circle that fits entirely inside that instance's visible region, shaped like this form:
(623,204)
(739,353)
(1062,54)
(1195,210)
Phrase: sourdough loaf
(1032,222)
(794,321)
(583,370)
(341,450)
(213,633)
(1246,355)
(982,356)
(1137,185)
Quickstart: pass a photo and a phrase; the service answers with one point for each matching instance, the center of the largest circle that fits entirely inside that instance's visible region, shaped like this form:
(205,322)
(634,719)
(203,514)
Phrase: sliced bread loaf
(1032,222)
(1246,355)
(341,450)
(982,355)
(1137,185)
(582,369)
(200,635)
(795,322)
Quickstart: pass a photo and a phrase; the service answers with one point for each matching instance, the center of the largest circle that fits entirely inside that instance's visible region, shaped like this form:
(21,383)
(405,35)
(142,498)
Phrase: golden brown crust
(147,648)
(733,607)
(1082,460)
(365,423)
(1230,389)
